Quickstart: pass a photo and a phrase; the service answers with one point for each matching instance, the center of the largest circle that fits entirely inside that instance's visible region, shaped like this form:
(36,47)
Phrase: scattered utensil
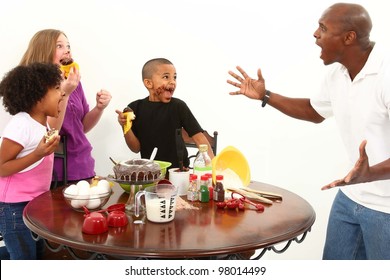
(113,161)
(263,193)
(111,208)
(250,195)
(153,155)
(258,206)
(179,148)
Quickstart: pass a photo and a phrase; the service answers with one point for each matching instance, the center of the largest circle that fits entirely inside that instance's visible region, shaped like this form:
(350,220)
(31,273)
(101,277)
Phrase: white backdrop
(111,40)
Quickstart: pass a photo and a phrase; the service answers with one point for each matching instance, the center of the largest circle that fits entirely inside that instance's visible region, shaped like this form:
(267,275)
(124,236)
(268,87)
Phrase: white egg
(82,183)
(75,203)
(105,184)
(72,190)
(84,188)
(82,200)
(93,203)
(94,191)
(98,190)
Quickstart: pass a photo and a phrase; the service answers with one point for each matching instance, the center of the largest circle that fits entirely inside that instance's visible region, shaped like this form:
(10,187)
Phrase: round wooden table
(206,232)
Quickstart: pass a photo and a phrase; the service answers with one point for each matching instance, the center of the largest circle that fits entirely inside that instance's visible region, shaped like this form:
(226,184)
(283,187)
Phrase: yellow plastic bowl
(163,165)
(232,158)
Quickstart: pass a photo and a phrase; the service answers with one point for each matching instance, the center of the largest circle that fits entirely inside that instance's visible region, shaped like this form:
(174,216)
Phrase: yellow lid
(232,158)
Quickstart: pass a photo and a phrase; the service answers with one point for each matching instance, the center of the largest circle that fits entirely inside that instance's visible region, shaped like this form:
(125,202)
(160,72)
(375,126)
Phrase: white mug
(180,179)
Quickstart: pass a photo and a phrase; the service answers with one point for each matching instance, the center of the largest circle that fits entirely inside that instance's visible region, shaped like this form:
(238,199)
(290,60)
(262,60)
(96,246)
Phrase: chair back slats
(60,153)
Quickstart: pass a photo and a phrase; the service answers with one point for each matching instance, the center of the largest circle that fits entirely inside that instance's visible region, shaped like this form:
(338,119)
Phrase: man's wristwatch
(266,98)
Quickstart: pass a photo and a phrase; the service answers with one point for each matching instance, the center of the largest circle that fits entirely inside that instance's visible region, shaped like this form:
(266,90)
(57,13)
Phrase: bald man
(356,91)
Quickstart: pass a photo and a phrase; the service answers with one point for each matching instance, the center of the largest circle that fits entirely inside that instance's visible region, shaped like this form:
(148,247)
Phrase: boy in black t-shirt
(159,115)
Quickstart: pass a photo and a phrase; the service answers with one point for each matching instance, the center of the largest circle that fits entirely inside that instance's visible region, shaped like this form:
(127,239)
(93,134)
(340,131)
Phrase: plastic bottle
(192,192)
(204,194)
(210,184)
(219,191)
(202,163)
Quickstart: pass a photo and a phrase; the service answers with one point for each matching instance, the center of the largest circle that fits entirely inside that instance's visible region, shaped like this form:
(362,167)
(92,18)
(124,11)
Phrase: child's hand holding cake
(50,134)
(130,116)
(68,65)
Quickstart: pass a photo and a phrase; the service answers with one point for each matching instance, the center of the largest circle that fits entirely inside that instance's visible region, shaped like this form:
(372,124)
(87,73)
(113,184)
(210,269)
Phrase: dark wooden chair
(61,154)
(193,149)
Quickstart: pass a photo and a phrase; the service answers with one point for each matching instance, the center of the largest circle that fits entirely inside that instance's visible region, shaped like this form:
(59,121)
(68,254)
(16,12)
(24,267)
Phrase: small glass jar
(192,192)
(219,190)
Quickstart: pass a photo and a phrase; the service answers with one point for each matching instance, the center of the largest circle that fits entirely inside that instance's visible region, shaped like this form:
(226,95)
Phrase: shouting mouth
(165,89)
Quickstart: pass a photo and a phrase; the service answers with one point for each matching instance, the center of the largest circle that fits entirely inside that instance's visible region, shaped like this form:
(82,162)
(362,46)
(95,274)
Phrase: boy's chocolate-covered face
(162,84)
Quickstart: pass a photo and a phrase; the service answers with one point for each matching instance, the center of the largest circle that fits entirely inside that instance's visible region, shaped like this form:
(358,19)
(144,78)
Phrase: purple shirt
(81,164)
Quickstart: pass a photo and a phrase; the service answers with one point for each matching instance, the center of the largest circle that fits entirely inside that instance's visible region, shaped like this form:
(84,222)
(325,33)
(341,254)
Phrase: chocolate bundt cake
(137,170)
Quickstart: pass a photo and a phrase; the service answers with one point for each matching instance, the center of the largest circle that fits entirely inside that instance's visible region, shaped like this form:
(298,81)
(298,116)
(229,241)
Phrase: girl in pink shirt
(31,94)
